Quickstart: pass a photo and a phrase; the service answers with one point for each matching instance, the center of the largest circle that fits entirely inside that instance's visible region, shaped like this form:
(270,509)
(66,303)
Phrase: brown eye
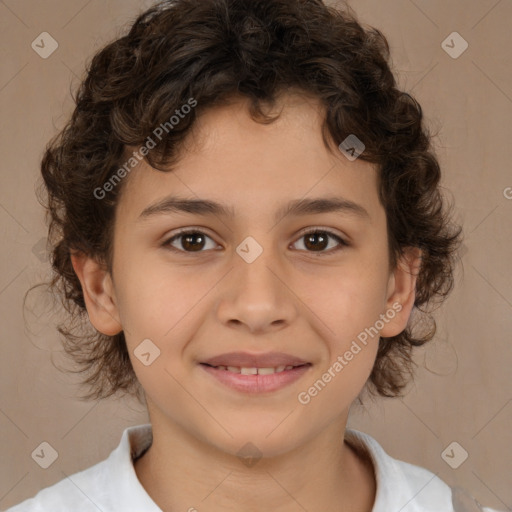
(191,241)
(318,241)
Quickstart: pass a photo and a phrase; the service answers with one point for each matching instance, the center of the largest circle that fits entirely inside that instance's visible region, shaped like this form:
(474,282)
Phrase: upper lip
(247,360)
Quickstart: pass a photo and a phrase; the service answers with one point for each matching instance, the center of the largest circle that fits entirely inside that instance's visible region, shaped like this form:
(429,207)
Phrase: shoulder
(105,486)
(71,493)
(407,487)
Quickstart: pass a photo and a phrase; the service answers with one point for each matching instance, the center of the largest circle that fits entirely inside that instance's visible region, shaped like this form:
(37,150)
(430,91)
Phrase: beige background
(465,396)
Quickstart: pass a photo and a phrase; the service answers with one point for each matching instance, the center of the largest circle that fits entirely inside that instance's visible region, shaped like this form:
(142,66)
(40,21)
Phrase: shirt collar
(400,486)
(130,493)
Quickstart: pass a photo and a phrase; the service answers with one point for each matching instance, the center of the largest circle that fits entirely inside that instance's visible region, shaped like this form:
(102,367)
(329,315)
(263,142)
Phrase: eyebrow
(173,204)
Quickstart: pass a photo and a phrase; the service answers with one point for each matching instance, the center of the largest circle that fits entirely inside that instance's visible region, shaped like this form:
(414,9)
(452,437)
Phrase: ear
(99,295)
(401,292)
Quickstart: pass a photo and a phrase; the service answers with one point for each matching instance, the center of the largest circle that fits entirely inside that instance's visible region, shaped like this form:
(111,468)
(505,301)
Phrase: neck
(180,472)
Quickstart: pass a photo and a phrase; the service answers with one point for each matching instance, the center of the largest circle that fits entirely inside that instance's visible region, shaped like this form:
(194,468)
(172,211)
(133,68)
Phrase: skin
(195,305)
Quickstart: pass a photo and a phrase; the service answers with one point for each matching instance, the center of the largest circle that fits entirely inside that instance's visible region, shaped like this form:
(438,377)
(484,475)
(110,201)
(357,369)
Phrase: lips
(247,360)
(256,373)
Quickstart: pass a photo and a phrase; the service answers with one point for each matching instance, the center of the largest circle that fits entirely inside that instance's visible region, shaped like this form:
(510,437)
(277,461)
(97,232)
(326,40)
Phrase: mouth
(250,360)
(256,373)
(255,370)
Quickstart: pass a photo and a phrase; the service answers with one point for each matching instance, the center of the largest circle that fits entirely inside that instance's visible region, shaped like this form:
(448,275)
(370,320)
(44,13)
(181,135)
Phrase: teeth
(248,371)
(255,371)
(266,371)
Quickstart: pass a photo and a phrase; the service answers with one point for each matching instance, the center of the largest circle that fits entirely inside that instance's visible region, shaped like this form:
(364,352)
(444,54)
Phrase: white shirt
(112,484)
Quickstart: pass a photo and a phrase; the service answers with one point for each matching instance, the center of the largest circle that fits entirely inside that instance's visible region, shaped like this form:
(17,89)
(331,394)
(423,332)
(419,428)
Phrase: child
(247,209)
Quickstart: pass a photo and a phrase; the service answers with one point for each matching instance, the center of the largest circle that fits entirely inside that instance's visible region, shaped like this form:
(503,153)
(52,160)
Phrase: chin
(258,440)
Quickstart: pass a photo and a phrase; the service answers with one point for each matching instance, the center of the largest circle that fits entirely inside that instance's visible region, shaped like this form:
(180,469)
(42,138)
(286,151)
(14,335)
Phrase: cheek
(165,304)
(349,308)
(150,301)
(348,299)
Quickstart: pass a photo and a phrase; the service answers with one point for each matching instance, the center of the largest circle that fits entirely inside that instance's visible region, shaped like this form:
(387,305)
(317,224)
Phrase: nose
(255,296)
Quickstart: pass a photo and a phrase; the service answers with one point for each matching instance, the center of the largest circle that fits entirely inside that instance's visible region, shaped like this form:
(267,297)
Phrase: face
(254,278)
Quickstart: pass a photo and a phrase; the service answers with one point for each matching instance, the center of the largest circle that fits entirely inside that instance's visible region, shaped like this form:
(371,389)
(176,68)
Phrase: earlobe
(99,293)
(402,292)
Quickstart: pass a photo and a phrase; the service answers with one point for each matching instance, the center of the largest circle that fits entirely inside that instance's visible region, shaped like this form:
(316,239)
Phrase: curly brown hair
(214,51)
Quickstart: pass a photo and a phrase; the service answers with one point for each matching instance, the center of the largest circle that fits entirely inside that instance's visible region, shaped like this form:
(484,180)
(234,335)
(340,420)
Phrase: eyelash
(189,231)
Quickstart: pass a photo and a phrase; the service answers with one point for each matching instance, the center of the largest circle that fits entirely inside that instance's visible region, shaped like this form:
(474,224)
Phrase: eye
(191,241)
(318,239)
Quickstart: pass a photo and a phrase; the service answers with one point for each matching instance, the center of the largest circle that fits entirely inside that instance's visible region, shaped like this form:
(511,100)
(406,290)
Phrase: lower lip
(257,383)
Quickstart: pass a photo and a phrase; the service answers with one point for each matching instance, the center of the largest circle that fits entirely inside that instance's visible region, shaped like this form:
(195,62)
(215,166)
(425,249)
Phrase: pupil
(314,238)
(187,241)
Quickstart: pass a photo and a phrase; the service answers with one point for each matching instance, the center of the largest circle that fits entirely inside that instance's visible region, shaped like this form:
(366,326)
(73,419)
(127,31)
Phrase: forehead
(232,159)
